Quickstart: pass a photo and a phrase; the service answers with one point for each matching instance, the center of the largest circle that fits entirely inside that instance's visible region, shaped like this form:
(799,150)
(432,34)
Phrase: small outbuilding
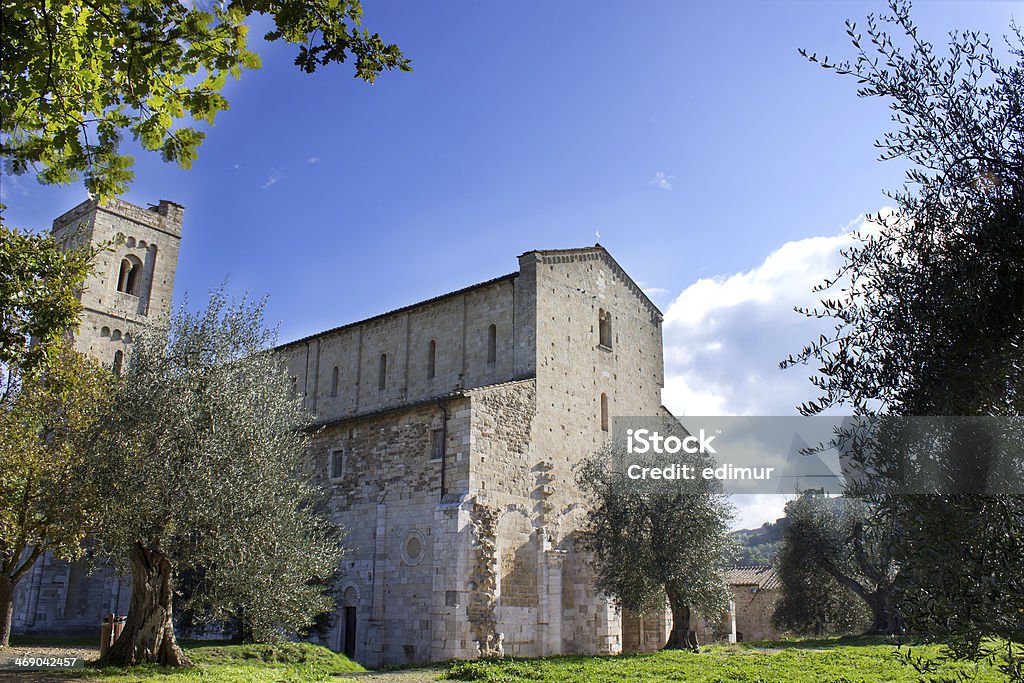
(755,590)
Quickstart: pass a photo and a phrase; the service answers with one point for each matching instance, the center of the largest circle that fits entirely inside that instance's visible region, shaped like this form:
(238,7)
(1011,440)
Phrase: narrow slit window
(604,412)
(492,345)
(431,359)
(334,382)
(604,326)
(337,463)
(436,444)
(382,372)
(118,361)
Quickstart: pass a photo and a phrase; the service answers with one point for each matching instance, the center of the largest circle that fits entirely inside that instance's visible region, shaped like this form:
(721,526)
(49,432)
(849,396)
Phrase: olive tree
(650,542)
(929,309)
(835,569)
(204,472)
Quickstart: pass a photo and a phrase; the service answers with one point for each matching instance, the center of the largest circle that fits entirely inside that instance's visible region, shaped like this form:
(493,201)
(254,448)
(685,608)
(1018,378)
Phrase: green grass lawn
(823,660)
(830,660)
(241,664)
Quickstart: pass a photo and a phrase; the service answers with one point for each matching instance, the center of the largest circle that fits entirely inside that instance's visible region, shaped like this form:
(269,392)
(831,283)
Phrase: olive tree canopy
(205,472)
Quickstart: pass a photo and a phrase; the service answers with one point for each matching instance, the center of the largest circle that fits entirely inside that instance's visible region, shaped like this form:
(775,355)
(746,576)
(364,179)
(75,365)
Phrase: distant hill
(759,546)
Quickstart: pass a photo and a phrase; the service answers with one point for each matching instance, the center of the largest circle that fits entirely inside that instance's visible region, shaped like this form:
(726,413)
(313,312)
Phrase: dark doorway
(349,648)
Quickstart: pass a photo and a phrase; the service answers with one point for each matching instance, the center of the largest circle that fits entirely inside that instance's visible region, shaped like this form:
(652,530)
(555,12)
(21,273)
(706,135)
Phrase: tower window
(492,346)
(604,412)
(431,359)
(604,326)
(118,361)
(334,382)
(128,278)
(382,372)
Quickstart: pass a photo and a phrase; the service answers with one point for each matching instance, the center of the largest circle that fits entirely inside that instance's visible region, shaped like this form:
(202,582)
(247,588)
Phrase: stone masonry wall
(400,569)
(338,372)
(573,370)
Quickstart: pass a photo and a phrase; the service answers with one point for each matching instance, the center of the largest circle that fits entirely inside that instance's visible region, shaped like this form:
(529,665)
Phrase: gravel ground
(409,676)
(9,654)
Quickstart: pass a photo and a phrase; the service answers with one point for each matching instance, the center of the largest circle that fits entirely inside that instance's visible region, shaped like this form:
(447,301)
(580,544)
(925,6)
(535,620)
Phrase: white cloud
(660,180)
(725,335)
(275,176)
(653,292)
(313,160)
(754,509)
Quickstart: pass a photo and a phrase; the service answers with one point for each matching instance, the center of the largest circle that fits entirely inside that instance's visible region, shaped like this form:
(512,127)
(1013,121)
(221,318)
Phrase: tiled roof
(762,575)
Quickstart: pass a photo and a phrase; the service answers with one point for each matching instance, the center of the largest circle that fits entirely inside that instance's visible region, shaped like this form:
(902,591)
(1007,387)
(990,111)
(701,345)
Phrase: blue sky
(692,136)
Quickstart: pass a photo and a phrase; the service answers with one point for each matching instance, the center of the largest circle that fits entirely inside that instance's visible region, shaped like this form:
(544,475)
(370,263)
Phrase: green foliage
(648,543)
(758,546)
(929,309)
(46,501)
(78,76)
(205,463)
(818,534)
(963,576)
(839,661)
(39,284)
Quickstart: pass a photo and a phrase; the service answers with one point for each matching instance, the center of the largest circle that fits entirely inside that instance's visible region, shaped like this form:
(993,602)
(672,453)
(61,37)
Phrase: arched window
(382,372)
(431,359)
(492,346)
(604,326)
(334,382)
(118,361)
(604,412)
(105,331)
(130,276)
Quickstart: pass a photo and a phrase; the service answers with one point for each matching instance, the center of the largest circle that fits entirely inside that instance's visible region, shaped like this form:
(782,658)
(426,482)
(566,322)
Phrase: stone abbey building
(448,432)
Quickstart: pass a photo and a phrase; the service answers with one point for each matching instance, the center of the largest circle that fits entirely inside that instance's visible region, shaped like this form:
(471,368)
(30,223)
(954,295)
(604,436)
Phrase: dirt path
(9,654)
(406,676)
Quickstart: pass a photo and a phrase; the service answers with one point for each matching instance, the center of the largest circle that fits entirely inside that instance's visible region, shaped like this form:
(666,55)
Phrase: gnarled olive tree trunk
(680,637)
(148,634)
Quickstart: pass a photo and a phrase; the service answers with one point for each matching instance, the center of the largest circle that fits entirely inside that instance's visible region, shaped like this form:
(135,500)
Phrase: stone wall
(339,373)
(754,609)
(400,570)
(150,237)
(574,289)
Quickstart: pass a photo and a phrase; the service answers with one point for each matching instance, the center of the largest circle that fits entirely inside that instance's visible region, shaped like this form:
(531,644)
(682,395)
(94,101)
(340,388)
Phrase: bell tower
(132,280)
